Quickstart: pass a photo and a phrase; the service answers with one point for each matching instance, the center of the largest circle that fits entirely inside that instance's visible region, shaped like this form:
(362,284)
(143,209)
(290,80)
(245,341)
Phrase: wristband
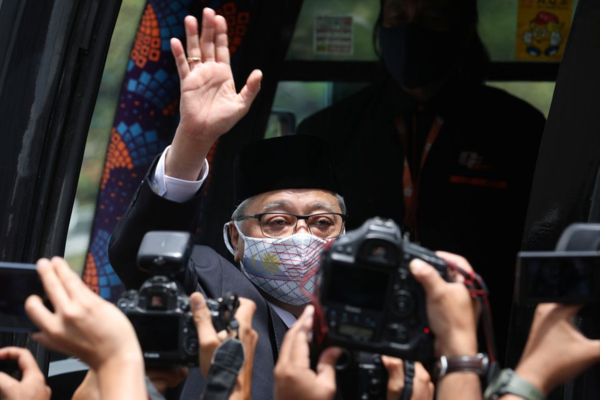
(507,382)
(478,364)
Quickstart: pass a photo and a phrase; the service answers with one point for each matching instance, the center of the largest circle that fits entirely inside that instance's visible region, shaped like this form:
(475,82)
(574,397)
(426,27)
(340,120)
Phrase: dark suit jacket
(207,272)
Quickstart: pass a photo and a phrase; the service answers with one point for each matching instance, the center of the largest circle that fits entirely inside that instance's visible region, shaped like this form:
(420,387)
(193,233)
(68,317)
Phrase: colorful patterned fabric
(146,119)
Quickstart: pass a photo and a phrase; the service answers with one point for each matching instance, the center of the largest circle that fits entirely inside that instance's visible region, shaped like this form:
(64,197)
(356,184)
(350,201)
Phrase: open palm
(210,105)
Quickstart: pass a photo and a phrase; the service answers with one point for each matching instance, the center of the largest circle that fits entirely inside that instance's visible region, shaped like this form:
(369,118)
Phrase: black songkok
(287,162)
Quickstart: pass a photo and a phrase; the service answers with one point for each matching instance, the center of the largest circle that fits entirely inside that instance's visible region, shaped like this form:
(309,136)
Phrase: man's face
(294,201)
(436,15)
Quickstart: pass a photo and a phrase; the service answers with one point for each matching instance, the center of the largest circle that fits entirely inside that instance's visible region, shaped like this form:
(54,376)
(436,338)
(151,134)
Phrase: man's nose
(302,224)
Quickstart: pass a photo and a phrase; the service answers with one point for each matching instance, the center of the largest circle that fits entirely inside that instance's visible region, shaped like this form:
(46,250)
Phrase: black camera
(569,275)
(369,298)
(160,311)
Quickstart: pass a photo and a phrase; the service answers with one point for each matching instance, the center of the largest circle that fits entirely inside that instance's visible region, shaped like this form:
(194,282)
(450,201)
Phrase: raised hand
(210,105)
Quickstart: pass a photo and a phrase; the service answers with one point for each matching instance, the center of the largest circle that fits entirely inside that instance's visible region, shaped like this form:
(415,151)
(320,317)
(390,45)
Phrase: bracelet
(478,364)
(507,382)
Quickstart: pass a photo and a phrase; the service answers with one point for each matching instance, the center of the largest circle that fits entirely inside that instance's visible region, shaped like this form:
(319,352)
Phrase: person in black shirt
(450,159)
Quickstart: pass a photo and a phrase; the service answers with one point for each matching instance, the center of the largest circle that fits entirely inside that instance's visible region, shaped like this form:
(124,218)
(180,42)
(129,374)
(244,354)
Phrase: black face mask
(416,56)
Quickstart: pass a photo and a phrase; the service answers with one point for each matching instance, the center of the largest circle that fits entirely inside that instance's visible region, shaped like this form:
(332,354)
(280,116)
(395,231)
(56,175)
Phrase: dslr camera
(369,298)
(160,311)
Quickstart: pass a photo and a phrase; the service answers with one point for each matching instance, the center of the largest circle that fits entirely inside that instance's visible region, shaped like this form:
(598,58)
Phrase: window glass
(298,100)
(93,159)
(302,99)
(324,32)
(497,27)
(498,20)
(538,94)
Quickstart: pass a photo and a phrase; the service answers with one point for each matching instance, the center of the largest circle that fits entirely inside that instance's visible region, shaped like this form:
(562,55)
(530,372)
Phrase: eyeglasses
(278,224)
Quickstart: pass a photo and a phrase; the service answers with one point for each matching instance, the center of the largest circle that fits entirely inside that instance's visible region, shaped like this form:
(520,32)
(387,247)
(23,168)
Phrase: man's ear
(238,245)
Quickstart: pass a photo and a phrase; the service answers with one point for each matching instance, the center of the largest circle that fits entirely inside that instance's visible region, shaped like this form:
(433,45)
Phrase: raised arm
(209,107)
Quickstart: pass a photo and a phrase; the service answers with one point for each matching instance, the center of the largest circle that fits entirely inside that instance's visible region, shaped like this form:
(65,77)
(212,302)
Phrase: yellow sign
(542,29)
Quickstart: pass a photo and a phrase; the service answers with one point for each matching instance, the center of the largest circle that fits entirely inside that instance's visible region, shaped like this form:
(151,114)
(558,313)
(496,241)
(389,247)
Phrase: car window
(99,133)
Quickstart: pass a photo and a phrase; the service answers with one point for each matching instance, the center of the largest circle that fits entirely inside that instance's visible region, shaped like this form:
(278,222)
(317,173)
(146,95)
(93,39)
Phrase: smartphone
(17,282)
(567,277)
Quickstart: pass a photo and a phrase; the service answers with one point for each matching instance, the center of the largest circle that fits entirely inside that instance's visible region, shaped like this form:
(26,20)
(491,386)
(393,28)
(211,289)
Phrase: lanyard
(411,179)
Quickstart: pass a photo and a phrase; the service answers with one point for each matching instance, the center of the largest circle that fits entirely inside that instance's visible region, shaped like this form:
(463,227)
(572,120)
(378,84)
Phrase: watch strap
(511,383)
(478,364)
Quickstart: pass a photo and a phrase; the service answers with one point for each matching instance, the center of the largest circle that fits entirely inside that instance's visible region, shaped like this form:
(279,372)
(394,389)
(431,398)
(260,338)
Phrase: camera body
(160,311)
(370,300)
(160,314)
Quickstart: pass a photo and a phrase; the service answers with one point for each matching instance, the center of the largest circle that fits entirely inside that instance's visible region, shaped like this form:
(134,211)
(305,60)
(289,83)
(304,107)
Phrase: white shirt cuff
(175,189)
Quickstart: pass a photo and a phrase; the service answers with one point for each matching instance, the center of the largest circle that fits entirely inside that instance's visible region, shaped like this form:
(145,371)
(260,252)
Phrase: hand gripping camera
(369,298)
(160,310)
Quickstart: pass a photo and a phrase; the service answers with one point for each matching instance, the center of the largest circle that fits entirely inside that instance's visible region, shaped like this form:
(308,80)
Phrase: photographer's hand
(556,350)
(88,327)
(210,105)
(293,377)
(32,384)
(209,340)
(452,318)
(88,389)
(167,377)
(423,388)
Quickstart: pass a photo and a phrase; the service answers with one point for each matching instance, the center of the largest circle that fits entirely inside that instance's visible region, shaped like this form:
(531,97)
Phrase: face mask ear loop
(226,238)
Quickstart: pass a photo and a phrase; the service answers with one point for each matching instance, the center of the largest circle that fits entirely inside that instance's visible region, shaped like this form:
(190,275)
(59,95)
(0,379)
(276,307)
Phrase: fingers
(455,259)
(74,286)
(39,314)
(52,284)
(251,89)
(202,317)
(168,377)
(183,68)
(395,368)
(191,36)
(207,336)
(27,363)
(287,347)
(326,367)
(245,313)
(423,387)
(207,39)
(221,40)
(427,276)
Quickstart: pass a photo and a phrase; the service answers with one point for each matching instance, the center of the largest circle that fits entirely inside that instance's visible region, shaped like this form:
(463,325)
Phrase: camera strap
(409,376)
(478,290)
(226,365)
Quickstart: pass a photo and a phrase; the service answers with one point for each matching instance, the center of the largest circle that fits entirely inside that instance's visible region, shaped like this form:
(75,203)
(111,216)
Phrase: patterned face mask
(281,267)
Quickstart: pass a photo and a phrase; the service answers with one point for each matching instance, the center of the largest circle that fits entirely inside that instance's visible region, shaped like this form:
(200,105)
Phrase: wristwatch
(507,382)
(478,364)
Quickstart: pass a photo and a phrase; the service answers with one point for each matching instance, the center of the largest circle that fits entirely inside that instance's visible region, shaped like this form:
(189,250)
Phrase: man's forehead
(297,200)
